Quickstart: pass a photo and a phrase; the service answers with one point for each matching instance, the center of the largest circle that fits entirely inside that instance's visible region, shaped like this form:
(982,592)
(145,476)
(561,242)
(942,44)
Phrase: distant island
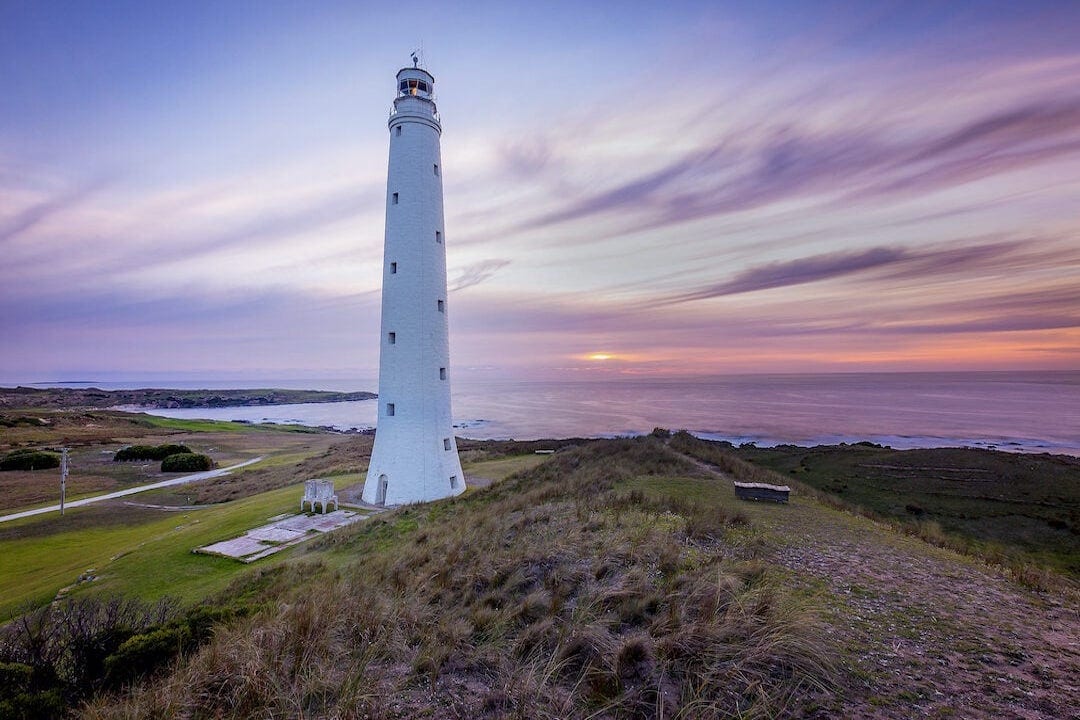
(159,398)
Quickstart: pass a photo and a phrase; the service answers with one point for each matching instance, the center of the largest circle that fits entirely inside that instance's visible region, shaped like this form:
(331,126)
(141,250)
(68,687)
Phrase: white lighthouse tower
(415,456)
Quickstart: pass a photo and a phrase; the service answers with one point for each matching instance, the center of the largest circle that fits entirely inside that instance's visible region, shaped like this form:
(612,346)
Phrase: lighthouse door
(380,492)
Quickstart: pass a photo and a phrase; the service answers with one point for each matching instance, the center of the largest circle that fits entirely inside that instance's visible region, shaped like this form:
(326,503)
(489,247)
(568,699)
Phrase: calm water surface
(1024,411)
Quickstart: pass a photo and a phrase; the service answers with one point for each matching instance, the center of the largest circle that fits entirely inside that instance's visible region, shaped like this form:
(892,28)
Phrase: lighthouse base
(399,473)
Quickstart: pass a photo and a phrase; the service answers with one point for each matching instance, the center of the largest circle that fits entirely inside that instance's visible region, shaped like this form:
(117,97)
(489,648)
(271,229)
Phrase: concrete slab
(298,523)
(274,534)
(236,548)
(282,532)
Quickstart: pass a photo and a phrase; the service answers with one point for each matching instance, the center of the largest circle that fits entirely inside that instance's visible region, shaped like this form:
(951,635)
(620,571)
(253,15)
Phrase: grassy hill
(587,586)
(613,579)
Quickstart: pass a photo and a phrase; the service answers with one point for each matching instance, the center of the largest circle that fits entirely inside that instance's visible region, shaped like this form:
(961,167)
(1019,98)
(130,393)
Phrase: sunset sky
(197,188)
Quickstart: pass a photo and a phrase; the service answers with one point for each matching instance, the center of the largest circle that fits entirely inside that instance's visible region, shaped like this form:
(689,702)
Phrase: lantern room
(415,82)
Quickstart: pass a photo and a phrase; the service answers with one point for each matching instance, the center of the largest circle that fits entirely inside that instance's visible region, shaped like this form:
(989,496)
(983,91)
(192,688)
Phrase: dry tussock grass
(551,595)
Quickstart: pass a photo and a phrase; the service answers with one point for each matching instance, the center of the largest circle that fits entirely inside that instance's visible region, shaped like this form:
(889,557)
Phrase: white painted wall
(410,448)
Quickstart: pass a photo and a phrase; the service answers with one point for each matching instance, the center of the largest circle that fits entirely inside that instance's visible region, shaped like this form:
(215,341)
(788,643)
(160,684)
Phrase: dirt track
(926,632)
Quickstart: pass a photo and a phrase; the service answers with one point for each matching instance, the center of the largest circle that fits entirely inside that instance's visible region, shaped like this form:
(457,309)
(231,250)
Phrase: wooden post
(63,477)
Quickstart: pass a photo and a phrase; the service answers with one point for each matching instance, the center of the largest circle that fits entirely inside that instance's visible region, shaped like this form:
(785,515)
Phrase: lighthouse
(415,455)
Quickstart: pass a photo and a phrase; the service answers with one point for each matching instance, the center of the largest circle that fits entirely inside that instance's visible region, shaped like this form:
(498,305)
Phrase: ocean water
(1019,411)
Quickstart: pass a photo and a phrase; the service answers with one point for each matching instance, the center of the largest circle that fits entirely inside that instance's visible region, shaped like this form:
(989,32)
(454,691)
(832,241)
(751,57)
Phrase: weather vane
(415,60)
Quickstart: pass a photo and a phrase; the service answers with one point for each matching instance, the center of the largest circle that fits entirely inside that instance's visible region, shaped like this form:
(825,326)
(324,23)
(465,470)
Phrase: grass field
(223,426)
(136,550)
(94,437)
(147,558)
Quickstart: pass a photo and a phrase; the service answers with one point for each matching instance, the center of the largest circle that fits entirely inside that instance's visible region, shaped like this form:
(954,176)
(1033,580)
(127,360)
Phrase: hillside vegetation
(585,587)
(1006,506)
(612,579)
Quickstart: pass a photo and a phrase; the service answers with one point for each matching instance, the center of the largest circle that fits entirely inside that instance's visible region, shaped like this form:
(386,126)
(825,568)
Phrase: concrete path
(131,491)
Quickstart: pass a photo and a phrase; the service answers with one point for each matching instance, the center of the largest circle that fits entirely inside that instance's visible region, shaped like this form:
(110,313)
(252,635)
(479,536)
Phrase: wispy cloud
(477,273)
(187,233)
(28,218)
(895,262)
(796,272)
(855,181)
(747,169)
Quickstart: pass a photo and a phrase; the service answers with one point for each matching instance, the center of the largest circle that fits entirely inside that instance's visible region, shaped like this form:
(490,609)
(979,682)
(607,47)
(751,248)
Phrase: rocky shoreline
(163,398)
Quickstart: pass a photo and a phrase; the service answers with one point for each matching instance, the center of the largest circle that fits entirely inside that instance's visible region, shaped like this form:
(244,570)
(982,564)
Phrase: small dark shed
(762,491)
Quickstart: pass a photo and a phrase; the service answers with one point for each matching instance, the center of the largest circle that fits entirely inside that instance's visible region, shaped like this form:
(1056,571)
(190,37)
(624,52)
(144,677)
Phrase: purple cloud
(899,263)
(739,173)
(28,218)
(797,272)
(278,224)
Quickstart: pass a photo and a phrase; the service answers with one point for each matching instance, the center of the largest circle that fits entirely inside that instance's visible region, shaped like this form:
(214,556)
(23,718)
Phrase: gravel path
(926,632)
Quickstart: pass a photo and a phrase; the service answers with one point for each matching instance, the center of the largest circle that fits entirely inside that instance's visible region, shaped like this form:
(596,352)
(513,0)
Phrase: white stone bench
(318,491)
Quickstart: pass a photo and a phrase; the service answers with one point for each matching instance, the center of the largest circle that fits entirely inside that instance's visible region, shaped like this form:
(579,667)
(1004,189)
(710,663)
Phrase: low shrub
(24,694)
(149,452)
(142,654)
(29,460)
(56,656)
(186,462)
(134,452)
(8,421)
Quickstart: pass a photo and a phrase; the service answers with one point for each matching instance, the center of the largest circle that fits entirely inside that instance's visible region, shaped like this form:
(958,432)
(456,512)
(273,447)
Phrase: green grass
(273,461)
(148,559)
(705,491)
(197,425)
(503,467)
(213,426)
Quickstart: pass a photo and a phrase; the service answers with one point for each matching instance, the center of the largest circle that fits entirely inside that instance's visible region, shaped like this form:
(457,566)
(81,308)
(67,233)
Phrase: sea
(1030,412)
